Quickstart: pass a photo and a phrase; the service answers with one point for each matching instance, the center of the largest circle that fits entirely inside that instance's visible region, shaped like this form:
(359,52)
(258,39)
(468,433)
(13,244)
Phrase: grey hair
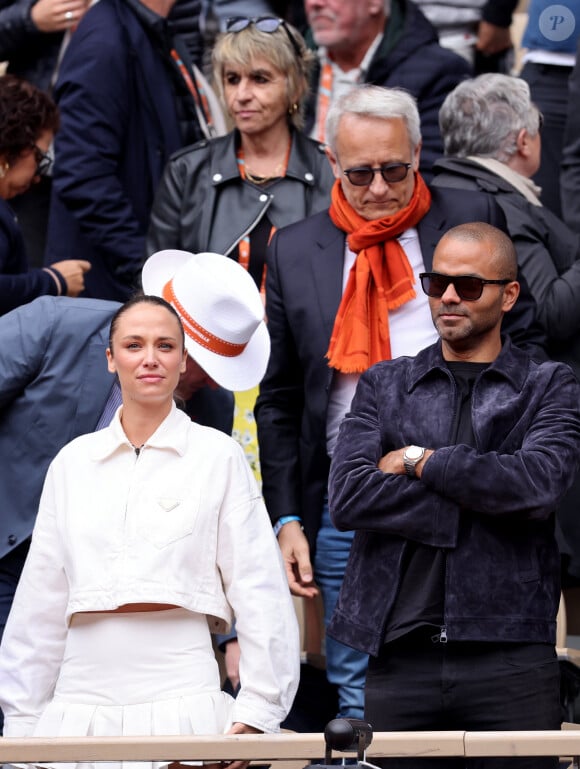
(484,116)
(375,101)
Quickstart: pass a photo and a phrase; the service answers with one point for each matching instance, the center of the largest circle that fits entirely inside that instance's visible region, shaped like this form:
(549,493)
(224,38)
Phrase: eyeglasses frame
(377,170)
(256,20)
(44,161)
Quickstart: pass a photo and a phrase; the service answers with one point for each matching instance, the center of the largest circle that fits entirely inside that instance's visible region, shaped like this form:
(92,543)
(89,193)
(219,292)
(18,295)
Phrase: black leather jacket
(203,205)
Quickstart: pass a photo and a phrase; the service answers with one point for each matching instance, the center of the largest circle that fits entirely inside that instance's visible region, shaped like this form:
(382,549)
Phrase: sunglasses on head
(43,161)
(267,24)
(364,175)
(467,287)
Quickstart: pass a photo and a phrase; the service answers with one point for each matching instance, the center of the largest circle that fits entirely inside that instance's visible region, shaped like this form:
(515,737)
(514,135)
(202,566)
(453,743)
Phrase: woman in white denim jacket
(150,533)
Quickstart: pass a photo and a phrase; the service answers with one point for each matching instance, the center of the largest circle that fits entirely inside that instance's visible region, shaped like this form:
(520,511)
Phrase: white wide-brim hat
(221,311)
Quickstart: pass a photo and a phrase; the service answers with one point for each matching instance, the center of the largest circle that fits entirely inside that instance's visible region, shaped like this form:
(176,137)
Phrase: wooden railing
(290,749)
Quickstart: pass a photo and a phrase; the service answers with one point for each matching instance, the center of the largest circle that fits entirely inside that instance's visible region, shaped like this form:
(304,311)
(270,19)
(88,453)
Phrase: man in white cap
(54,383)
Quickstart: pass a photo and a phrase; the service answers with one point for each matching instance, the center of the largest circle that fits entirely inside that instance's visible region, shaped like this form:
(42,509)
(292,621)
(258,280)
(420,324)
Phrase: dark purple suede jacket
(491,508)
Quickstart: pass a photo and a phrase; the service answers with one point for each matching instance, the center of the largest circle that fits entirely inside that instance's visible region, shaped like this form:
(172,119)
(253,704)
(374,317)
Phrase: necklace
(244,247)
(257,179)
(254,179)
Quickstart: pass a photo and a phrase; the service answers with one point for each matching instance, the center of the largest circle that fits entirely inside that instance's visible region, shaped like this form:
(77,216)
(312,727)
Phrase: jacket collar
(171,434)
(327,265)
(511,364)
(224,163)
(406,30)
(485,178)
(149,19)
(300,162)
(489,174)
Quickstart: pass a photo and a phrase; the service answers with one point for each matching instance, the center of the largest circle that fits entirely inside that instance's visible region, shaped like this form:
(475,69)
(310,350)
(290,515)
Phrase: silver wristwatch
(411,458)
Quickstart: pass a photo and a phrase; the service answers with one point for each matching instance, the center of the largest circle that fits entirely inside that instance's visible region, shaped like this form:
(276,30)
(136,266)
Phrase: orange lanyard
(244,244)
(196,89)
(323,101)
(244,257)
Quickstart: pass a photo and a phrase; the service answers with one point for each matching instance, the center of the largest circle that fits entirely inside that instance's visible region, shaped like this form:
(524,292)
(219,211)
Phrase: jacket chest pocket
(164,520)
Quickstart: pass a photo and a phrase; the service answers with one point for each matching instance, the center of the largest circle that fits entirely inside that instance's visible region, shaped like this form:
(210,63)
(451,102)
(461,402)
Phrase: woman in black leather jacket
(229,194)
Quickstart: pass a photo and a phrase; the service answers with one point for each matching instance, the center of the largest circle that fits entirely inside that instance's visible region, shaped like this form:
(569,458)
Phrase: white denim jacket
(181,522)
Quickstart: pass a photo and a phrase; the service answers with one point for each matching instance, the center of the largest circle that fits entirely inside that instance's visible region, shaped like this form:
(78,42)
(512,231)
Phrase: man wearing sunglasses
(369,249)
(450,466)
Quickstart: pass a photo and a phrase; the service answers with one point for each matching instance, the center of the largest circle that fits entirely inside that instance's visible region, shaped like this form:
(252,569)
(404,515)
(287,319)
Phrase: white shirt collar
(171,434)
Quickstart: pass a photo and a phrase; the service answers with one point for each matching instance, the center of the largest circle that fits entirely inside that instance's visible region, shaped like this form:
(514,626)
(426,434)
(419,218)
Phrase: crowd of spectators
(326,147)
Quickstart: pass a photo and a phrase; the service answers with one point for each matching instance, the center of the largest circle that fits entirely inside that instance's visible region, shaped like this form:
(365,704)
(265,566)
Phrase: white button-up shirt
(180,522)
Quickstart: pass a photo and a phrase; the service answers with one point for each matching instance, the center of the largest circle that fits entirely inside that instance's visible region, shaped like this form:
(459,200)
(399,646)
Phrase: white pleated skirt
(135,674)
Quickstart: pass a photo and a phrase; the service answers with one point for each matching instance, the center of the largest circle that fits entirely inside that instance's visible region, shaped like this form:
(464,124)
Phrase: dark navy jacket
(32,54)
(119,125)
(18,284)
(490,507)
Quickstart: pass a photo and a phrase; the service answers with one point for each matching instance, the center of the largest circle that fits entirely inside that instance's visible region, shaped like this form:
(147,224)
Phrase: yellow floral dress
(244,431)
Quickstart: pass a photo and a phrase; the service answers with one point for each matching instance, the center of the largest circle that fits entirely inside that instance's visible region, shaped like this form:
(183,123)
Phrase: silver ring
(69,16)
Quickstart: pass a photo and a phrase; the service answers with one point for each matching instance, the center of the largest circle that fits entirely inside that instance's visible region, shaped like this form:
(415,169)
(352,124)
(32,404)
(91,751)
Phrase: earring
(293,109)
(3,168)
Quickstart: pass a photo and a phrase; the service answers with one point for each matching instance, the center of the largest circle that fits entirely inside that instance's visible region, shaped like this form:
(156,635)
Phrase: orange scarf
(381,279)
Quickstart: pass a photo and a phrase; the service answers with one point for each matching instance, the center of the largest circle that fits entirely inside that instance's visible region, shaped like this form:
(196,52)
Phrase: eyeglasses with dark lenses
(267,24)
(468,287)
(43,161)
(364,175)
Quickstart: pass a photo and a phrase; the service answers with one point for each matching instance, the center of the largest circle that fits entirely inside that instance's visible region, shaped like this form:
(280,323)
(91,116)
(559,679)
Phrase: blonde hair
(241,48)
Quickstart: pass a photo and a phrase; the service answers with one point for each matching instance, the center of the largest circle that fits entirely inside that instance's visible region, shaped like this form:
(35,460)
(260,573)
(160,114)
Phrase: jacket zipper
(249,229)
(441,637)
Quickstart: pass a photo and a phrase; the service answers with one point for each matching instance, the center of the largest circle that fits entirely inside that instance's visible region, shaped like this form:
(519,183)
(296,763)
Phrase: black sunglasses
(364,175)
(267,24)
(43,161)
(467,287)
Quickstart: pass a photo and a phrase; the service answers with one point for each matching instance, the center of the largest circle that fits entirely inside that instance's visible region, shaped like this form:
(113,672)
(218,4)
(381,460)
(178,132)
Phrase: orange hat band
(199,334)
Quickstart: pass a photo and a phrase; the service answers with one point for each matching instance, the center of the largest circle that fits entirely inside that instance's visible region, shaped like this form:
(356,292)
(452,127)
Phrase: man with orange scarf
(369,248)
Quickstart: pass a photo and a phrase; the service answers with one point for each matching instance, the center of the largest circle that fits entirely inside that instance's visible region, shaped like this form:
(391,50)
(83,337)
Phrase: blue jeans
(345,667)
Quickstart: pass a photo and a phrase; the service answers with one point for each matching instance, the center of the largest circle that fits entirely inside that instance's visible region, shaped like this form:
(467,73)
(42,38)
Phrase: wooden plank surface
(307,748)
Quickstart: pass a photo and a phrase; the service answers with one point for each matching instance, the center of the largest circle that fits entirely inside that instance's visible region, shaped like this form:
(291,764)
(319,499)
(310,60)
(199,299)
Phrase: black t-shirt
(419,602)
(259,239)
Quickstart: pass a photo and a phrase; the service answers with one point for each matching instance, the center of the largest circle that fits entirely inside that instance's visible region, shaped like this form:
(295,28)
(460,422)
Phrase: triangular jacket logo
(168,504)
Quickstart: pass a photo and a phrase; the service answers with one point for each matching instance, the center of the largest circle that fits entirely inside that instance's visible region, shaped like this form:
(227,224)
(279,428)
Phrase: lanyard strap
(244,247)
(195,88)
(323,100)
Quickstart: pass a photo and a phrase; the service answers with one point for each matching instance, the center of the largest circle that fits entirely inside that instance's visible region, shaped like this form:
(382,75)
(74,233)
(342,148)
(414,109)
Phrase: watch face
(414,452)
